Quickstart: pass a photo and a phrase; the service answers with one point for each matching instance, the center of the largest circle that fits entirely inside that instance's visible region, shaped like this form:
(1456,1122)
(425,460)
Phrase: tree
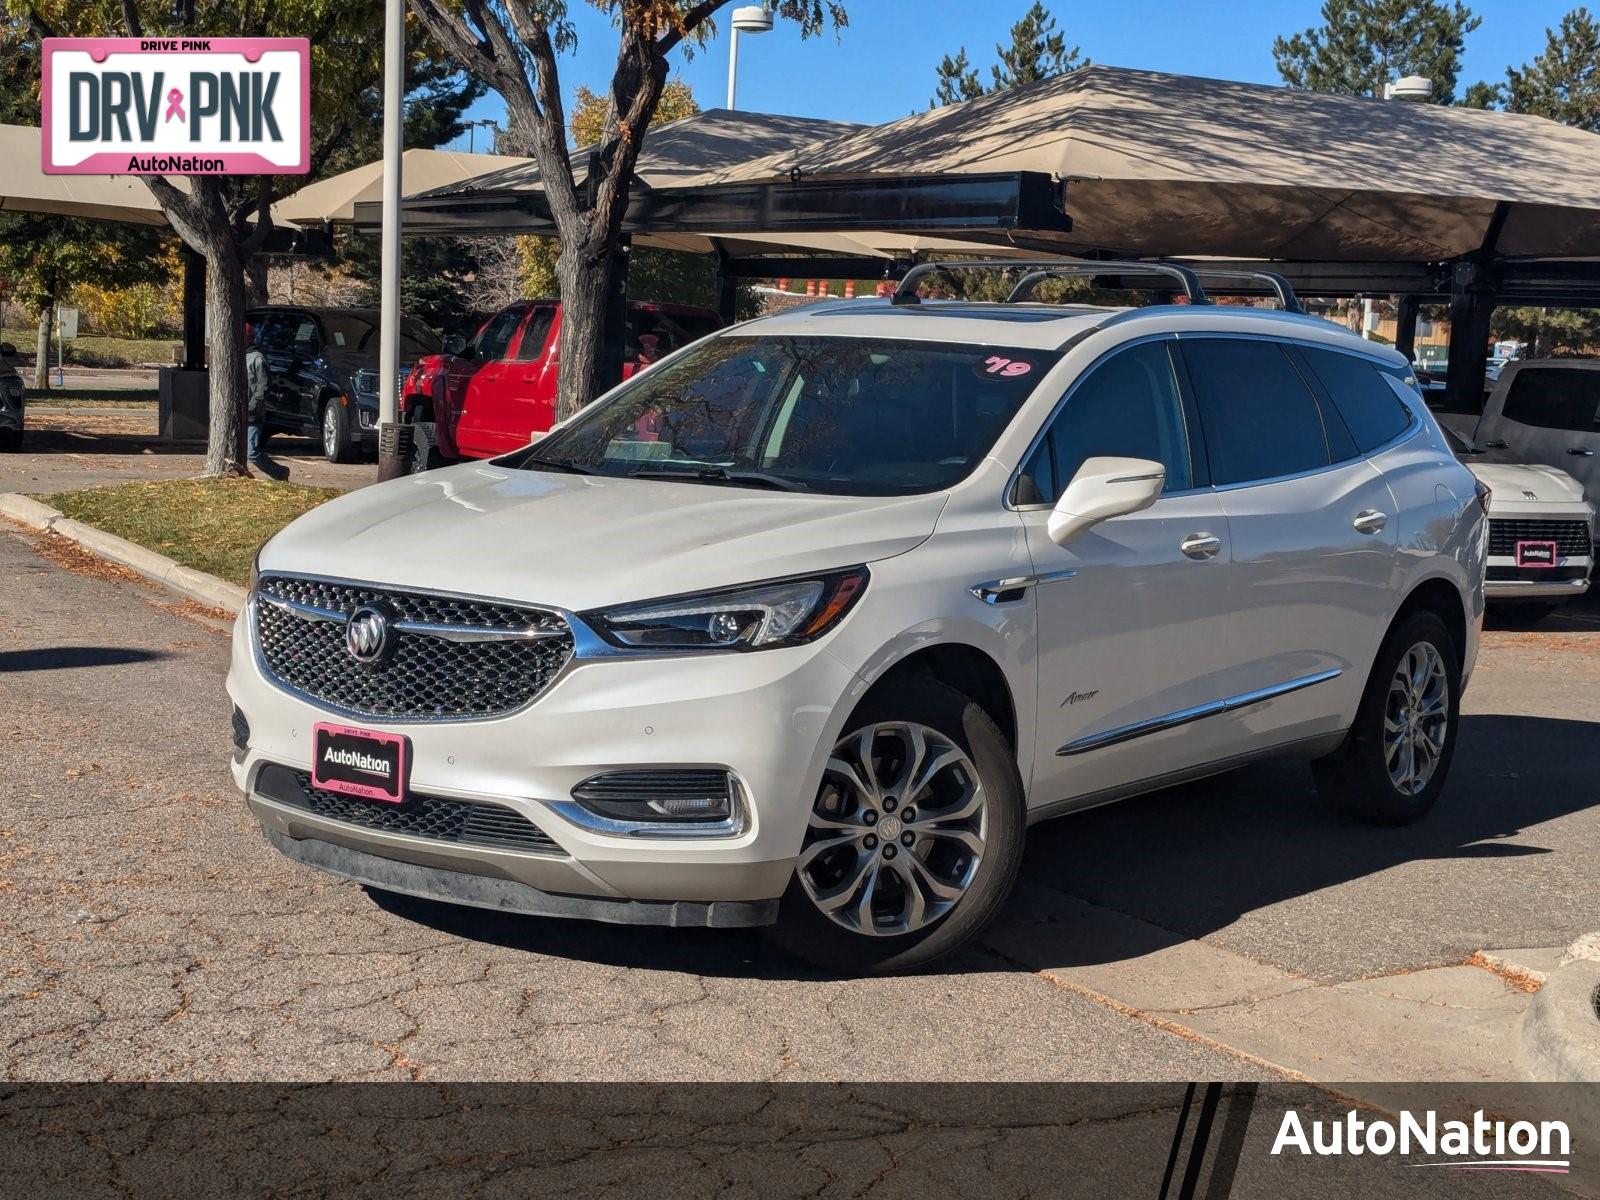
(1563,83)
(511,45)
(1364,44)
(1037,51)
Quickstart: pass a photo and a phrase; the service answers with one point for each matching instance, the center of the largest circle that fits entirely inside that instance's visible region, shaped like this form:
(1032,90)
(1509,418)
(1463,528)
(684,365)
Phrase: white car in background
(1541,531)
(810,621)
(1547,411)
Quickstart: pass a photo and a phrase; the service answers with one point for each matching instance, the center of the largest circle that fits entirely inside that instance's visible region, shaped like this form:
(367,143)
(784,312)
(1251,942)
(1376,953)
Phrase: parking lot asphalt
(147,931)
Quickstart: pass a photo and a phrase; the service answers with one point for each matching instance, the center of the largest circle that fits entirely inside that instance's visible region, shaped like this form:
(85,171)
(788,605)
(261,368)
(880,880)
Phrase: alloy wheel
(897,831)
(330,428)
(1416,719)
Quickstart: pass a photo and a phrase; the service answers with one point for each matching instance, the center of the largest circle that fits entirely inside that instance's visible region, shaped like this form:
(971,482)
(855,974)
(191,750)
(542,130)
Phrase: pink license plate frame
(360,762)
(1547,550)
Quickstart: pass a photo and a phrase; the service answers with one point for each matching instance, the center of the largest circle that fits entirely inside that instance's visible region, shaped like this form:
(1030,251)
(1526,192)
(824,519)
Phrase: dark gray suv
(11,399)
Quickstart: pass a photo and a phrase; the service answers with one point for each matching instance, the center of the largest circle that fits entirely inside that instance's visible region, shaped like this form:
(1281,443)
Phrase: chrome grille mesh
(1570,537)
(423,677)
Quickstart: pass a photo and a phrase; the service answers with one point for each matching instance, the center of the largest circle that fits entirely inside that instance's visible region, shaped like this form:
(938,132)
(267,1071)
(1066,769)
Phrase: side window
(1260,421)
(495,337)
(272,331)
(534,333)
(1555,398)
(1371,410)
(307,339)
(1130,407)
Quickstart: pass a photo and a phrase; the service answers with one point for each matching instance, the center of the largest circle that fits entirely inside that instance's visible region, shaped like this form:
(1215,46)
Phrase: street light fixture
(752,18)
(472,132)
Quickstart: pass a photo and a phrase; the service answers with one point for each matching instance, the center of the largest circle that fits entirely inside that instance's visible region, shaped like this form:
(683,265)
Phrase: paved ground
(66,449)
(146,931)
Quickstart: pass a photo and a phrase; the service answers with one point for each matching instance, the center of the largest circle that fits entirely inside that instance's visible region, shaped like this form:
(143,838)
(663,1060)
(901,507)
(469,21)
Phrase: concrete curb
(197,585)
(1561,1031)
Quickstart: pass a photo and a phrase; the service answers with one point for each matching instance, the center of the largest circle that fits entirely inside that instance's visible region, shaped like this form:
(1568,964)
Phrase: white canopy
(24,187)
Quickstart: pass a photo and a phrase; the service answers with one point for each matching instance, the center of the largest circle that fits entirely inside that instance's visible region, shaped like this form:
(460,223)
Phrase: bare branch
(690,21)
(251,243)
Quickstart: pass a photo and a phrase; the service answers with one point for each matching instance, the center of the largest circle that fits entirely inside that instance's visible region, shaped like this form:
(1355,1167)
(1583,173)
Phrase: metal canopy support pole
(194,310)
(394,439)
(1471,304)
(616,330)
(1405,336)
(727,290)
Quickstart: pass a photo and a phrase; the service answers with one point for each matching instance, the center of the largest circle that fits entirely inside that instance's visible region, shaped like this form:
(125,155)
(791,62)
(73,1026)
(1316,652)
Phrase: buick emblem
(366,633)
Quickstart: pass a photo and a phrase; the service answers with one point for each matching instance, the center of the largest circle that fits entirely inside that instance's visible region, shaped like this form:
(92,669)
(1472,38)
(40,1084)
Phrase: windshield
(846,416)
(357,335)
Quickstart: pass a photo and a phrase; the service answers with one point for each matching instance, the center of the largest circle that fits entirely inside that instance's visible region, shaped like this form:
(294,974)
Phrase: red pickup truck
(495,392)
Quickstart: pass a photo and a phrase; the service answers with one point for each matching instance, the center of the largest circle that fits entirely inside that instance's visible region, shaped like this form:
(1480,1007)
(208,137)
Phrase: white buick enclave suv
(806,624)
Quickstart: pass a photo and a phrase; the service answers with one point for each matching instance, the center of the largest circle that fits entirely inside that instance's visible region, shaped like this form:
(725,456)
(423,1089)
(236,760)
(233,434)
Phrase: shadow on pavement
(58,658)
(1186,861)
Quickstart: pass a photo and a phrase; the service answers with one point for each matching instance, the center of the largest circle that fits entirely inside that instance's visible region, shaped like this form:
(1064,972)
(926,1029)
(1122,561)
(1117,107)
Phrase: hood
(1509,481)
(578,542)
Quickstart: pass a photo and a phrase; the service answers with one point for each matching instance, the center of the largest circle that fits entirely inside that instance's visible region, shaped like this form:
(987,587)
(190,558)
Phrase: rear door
(1549,413)
(480,387)
(529,380)
(1313,527)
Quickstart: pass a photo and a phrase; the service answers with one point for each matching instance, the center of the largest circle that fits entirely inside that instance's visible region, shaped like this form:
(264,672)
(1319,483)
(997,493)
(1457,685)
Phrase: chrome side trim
(1003,591)
(309,612)
(736,823)
(1184,716)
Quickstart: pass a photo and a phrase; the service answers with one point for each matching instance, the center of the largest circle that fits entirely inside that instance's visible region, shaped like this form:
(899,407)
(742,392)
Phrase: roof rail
(1041,269)
(1281,286)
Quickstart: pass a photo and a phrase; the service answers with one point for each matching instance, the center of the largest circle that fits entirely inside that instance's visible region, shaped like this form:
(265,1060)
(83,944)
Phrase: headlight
(785,612)
(367,383)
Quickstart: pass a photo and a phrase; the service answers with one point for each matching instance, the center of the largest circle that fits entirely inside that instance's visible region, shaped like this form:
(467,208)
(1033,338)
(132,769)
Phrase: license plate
(1536,554)
(359,762)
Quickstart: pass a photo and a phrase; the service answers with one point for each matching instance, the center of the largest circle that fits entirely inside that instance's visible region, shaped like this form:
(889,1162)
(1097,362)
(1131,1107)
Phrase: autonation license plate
(359,762)
(1536,554)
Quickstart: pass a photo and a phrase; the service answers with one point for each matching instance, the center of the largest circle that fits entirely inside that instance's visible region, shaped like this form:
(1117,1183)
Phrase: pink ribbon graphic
(175,105)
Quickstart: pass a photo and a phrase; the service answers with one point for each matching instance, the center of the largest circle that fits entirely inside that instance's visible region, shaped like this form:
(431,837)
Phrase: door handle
(1201,545)
(1581,452)
(1496,445)
(1370,520)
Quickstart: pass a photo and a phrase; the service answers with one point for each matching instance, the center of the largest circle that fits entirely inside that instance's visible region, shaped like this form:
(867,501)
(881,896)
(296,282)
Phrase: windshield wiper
(533,462)
(714,474)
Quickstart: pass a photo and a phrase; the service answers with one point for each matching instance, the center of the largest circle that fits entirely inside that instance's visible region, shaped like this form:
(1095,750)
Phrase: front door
(480,398)
(1133,616)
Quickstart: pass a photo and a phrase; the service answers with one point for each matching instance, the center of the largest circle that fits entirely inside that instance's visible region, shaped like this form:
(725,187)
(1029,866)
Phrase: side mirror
(455,344)
(7,350)
(1104,488)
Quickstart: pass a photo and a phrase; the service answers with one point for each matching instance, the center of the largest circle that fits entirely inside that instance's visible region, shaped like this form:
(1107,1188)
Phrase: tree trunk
(225,336)
(41,362)
(585,279)
(255,281)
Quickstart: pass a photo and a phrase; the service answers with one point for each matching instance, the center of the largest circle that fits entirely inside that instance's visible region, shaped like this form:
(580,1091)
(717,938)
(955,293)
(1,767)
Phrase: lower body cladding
(490,817)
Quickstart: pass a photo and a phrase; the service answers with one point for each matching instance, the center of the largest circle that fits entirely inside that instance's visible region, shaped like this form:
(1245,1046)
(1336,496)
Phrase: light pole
(752,18)
(472,132)
(393,445)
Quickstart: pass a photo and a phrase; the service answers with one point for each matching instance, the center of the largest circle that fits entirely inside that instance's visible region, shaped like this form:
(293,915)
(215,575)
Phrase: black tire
(10,440)
(1356,778)
(804,931)
(333,429)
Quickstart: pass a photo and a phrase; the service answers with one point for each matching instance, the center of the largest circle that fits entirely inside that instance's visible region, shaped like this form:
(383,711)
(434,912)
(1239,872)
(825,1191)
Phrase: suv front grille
(473,659)
(435,818)
(1570,537)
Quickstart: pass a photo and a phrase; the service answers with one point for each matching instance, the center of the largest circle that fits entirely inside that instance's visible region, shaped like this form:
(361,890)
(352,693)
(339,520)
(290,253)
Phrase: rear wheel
(1393,763)
(335,426)
(914,839)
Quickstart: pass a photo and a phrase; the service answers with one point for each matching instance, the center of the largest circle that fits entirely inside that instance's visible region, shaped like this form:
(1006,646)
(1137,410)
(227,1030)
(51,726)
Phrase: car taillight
(1483,493)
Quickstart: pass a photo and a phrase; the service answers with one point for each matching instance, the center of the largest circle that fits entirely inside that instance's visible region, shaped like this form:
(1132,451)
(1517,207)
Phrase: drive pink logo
(179,106)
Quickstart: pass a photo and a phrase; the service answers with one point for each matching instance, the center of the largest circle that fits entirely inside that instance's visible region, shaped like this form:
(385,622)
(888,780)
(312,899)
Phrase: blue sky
(881,66)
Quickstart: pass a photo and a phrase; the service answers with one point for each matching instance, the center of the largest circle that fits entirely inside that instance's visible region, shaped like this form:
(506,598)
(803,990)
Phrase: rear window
(1369,407)
(1555,398)
(1260,420)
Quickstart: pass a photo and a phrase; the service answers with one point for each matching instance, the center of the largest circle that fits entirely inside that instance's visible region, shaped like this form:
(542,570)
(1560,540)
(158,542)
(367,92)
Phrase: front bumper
(1502,590)
(767,717)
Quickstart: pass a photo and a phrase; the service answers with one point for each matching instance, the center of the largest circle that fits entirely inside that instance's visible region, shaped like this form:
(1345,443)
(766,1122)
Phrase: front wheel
(335,426)
(1393,763)
(914,838)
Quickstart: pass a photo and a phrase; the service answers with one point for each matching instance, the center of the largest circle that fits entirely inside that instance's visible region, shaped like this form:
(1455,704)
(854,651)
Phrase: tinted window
(275,331)
(1369,407)
(1129,407)
(495,337)
(849,416)
(1260,421)
(1555,398)
(535,332)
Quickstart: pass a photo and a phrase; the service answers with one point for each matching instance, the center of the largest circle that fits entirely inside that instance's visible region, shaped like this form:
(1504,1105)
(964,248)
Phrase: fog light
(685,796)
